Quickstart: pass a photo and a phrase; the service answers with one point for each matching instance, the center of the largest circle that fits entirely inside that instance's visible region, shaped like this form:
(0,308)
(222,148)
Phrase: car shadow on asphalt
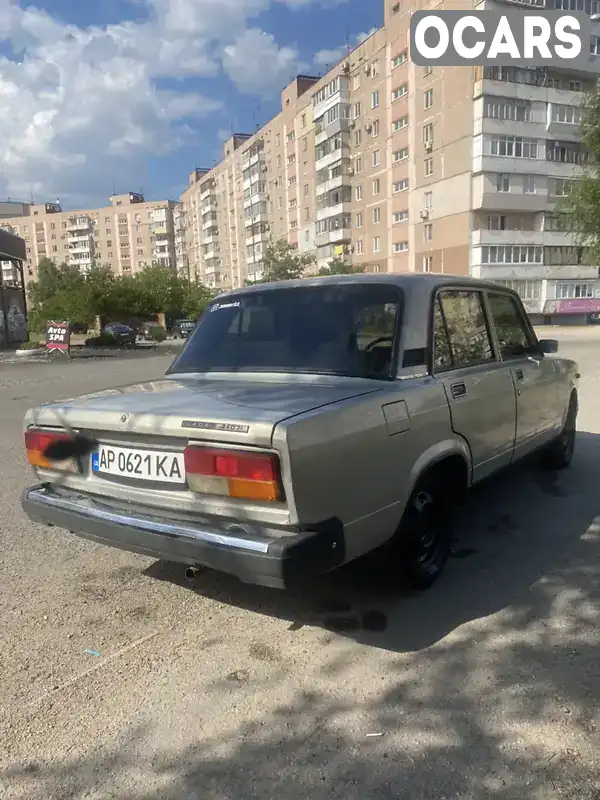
(513,532)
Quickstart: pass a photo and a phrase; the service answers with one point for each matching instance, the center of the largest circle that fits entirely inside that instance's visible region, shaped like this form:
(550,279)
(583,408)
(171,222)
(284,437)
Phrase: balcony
(80,248)
(340,125)
(209,223)
(79,225)
(263,236)
(253,159)
(333,183)
(211,253)
(260,217)
(334,211)
(212,238)
(208,207)
(259,197)
(507,237)
(79,239)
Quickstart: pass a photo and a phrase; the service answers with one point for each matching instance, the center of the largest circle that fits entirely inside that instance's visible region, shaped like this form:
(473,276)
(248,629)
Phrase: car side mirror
(548,346)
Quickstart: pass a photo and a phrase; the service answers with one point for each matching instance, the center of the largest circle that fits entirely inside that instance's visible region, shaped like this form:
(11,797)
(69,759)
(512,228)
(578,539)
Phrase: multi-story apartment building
(127,235)
(404,168)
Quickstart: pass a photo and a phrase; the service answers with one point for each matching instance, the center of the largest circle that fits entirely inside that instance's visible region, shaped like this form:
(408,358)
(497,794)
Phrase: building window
(357,138)
(376,186)
(511,254)
(375,69)
(359,247)
(399,59)
(376,158)
(375,129)
(375,99)
(527,290)
(303,123)
(428,167)
(401,155)
(427,263)
(570,115)
(376,244)
(357,165)
(399,216)
(358,192)
(306,190)
(568,291)
(503,183)
(400,186)
(561,186)
(428,134)
(399,92)
(359,220)
(376,216)
(428,200)
(427,71)
(356,82)
(496,222)
(399,124)
(400,247)
(278,140)
(356,110)
(528,184)
(511,147)
(427,232)
(506,108)
(428,98)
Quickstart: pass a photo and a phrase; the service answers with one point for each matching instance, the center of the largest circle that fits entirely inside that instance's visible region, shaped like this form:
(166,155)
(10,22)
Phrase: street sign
(58,336)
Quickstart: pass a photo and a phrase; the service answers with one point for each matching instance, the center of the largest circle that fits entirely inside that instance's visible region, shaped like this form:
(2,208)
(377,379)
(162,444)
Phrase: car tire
(559,453)
(424,538)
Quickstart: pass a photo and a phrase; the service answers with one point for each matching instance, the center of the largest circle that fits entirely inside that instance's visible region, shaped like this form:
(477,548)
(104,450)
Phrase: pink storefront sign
(578,305)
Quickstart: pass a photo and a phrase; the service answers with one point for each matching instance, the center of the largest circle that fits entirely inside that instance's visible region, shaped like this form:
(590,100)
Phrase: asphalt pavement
(120,680)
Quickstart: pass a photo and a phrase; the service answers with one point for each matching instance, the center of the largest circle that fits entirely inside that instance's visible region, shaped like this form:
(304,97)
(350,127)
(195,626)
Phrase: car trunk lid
(206,408)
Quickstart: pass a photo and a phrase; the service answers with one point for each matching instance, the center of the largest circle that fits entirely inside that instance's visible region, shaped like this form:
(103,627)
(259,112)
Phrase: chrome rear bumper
(261,555)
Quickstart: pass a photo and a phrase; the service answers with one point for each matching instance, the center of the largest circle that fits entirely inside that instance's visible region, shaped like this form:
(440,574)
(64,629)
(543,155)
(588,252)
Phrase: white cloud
(80,106)
(327,58)
(258,65)
(361,37)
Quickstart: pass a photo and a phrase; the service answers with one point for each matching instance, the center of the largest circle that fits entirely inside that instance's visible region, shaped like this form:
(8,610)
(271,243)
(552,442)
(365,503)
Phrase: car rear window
(343,329)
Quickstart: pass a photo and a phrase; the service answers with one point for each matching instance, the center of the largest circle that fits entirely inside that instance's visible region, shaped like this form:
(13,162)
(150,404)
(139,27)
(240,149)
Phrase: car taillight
(251,476)
(36,444)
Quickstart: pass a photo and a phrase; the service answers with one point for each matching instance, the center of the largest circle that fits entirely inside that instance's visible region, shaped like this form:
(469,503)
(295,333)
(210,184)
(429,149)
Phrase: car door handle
(458,390)
(519,375)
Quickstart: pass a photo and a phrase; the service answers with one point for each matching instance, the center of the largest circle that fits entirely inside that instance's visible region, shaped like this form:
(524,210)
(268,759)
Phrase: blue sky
(135,93)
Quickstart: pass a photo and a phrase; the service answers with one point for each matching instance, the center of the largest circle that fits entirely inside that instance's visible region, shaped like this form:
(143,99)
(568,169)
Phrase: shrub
(31,345)
(158,334)
(104,340)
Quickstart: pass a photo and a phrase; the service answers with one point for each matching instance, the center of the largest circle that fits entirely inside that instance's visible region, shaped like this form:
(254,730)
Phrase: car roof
(407,281)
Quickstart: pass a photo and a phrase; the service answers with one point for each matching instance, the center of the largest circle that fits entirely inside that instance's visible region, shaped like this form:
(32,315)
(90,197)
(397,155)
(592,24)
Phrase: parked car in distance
(121,333)
(182,328)
(145,330)
(307,423)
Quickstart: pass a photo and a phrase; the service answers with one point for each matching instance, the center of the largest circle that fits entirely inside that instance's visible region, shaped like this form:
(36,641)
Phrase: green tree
(196,296)
(579,212)
(339,266)
(283,262)
(158,290)
(52,279)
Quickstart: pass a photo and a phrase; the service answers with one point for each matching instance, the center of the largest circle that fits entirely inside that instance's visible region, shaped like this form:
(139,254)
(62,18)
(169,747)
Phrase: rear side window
(514,338)
(461,334)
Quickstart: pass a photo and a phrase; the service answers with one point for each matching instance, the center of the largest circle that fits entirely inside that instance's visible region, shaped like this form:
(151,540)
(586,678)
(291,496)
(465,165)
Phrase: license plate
(143,465)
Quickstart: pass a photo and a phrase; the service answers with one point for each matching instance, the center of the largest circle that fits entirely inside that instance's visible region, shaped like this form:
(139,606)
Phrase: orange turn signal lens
(244,475)
(37,442)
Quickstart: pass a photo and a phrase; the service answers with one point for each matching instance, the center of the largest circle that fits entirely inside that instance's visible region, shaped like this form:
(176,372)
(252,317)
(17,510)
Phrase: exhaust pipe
(191,573)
